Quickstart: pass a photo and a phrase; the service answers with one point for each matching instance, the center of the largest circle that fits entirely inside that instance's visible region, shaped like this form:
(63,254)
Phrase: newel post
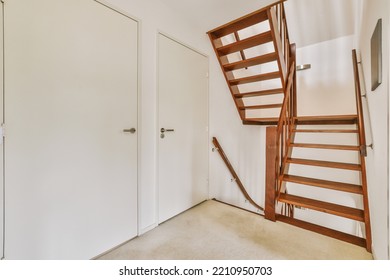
(270,176)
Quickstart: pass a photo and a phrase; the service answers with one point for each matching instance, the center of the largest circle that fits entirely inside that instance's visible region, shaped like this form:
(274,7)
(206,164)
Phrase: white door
(183,108)
(1,137)
(70,91)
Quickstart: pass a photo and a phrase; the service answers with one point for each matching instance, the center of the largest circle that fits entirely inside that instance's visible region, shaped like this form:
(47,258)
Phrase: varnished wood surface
(324,231)
(337,119)
(255,78)
(251,62)
(247,43)
(259,107)
(326,207)
(325,146)
(260,121)
(325,131)
(243,22)
(270,175)
(328,164)
(260,93)
(338,186)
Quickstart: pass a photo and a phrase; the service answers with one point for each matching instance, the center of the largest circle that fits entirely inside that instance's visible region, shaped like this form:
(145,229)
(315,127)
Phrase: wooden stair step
(337,119)
(247,43)
(325,130)
(328,164)
(261,121)
(321,206)
(240,23)
(256,78)
(251,62)
(338,186)
(258,107)
(324,231)
(259,93)
(325,146)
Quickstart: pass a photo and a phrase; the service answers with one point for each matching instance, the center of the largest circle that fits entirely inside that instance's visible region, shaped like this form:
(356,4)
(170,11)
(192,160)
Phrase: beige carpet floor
(216,231)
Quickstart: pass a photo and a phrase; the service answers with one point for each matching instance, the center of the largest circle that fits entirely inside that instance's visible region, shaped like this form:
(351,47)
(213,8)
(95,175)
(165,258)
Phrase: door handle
(131,130)
(163,130)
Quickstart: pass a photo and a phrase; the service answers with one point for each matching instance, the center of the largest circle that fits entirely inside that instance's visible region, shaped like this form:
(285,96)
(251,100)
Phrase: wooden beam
(270,175)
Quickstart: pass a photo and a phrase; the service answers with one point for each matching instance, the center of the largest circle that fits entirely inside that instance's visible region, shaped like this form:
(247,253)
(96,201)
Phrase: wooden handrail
(234,174)
(359,106)
(363,150)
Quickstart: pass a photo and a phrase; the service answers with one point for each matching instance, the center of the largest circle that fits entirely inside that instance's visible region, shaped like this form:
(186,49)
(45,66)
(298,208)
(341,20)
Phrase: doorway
(183,127)
(71,114)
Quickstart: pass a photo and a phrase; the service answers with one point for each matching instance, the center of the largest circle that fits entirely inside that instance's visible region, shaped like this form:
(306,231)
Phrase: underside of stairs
(251,53)
(311,170)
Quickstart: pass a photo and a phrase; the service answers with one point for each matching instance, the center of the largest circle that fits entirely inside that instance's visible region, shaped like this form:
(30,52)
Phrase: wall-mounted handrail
(363,150)
(234,174)
(359,106)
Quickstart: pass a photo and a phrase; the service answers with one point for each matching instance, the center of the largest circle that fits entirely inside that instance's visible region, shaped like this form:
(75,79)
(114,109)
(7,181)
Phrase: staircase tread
(247,43)
(323,230)
(329,164)
(251,61)
(325,146)
(339,186)
(257,107)
(260,93)
(261,121)
(326,130)
(255,78)
(338,117)
(332,119)
(326,207)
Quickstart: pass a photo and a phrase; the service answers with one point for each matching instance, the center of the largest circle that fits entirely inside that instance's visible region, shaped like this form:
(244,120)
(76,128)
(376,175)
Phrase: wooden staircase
(258,63)
(333,187)
(253,59)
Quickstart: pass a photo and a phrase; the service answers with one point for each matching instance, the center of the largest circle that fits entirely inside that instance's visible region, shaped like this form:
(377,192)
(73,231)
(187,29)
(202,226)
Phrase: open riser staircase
(315,165)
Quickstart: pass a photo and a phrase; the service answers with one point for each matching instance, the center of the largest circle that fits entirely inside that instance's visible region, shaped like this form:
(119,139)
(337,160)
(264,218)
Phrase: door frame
(3,188)
(167,35)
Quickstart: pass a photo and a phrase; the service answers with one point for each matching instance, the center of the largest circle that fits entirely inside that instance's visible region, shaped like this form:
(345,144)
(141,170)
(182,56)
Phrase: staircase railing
(359,106)
(363,149)
(277,144)
(287,59)
(278,23)
(285,128)
(278,138)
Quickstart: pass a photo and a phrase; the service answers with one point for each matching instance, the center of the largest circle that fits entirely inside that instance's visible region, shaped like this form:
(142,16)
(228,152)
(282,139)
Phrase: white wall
(154,16)
(244,146)
(327,88)
(378,104)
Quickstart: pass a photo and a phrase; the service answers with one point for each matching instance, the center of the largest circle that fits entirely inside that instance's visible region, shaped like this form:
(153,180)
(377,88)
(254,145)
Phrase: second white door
(183,124)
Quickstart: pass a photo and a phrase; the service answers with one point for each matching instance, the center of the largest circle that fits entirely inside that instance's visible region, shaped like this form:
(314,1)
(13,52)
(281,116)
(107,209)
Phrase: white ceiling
(309,21)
